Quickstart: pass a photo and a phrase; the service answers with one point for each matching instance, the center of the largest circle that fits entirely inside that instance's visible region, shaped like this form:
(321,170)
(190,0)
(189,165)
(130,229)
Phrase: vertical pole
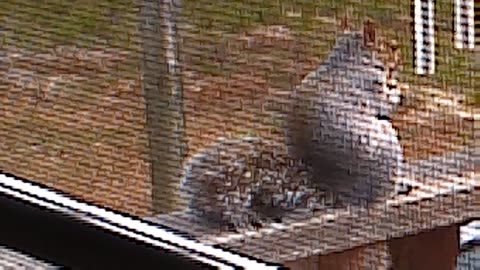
(424,33)
(163,93)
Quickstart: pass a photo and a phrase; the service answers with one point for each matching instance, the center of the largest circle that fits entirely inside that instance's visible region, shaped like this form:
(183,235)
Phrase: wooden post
(374,256)
(163,93)
(435,249)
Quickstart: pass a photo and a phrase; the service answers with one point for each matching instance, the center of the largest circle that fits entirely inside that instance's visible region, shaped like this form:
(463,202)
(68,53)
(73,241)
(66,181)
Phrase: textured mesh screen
(243,122)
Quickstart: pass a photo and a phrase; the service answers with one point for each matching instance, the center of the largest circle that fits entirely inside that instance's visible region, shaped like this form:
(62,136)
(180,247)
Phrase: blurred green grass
(454,67)
(38,23)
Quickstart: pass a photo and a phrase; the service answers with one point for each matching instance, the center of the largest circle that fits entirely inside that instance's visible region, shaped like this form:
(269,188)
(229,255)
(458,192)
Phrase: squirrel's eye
(391,86)
(378,83)
(379,67)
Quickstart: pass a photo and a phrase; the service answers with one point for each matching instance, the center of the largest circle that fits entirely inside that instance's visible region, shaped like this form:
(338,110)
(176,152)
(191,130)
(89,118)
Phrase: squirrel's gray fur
(327,137)
(325,114)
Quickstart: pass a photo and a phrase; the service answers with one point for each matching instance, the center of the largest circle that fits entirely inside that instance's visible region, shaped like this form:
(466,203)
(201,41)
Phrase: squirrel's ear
(344,24)
(394,57)
(394,52)
(369,37)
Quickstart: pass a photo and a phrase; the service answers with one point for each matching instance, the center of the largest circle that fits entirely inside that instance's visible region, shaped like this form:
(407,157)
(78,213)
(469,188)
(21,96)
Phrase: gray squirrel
(339,140)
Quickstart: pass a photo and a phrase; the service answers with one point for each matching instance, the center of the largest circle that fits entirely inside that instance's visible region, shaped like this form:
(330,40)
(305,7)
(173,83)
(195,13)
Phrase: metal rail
(162,238)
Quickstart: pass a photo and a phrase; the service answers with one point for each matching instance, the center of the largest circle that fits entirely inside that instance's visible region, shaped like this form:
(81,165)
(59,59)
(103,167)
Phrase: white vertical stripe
(457,28)
(431,36)
(418,32)
(424,32)
(464,36)
(471,23)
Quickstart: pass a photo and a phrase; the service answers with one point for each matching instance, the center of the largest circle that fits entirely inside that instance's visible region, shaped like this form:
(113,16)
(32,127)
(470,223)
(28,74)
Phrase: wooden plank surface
(434,249)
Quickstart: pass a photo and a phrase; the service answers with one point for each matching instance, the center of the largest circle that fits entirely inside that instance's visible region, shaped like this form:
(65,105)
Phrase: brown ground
(87,136)
(237,102)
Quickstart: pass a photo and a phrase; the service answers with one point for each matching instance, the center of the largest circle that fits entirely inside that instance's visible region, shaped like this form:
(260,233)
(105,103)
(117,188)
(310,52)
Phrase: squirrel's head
(371,67)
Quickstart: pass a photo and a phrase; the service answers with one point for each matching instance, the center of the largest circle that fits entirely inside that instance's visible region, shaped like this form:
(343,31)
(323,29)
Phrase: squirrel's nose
(391,84)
